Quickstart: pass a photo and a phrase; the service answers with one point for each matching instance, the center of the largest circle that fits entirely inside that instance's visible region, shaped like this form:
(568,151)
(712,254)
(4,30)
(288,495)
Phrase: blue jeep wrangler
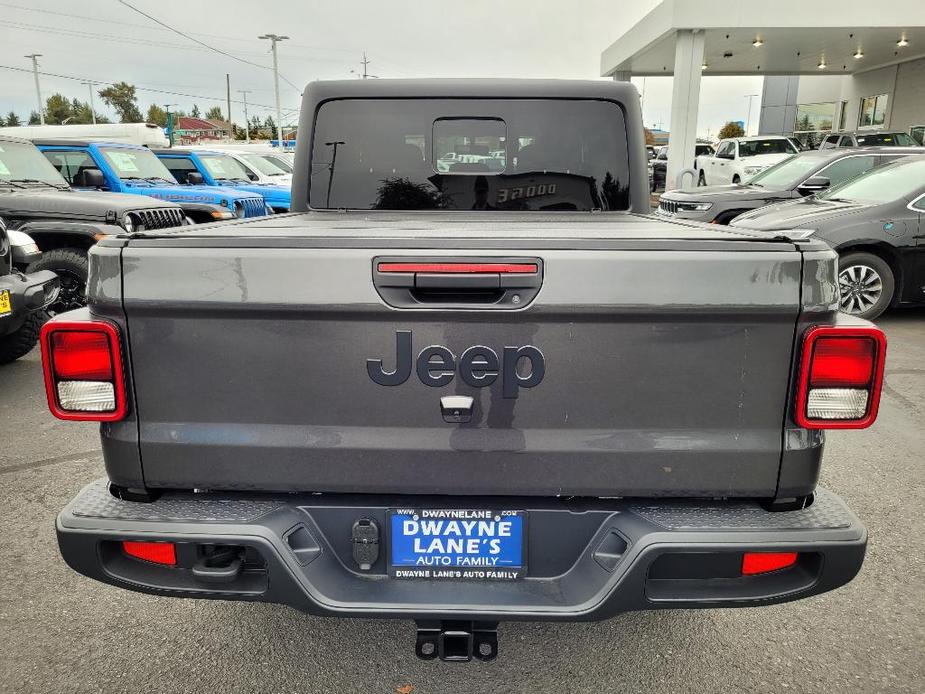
(126,168)
(220,169)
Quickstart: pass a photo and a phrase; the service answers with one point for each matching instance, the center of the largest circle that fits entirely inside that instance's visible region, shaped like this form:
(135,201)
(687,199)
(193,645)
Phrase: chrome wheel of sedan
(860,288)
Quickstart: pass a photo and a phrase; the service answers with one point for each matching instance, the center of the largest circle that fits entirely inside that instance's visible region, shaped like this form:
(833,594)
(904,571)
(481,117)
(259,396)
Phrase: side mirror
(813,185)
(252,176)
(725,155)
(89,178)
(194,178)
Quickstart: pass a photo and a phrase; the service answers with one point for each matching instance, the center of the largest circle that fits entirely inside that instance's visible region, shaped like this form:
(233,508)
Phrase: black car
(660,164)
(801,175)
(23,297)
(65,223)
(868,139)
(875,222)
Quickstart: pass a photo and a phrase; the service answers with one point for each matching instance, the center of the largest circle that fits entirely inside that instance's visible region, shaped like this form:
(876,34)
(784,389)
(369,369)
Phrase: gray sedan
(796,177)
(876,222)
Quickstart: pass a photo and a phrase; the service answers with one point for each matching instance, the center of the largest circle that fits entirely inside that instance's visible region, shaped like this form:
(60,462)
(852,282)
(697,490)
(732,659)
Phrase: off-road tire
(18,344)
(72,267)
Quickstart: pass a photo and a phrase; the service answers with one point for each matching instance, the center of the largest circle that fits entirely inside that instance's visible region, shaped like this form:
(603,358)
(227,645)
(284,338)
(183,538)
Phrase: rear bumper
(588,559)
(28,293)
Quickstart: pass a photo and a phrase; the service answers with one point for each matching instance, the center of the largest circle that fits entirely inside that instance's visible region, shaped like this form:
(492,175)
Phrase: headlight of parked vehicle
(753,170)
(694,206)
(238,209)
(128,222)
(222,214)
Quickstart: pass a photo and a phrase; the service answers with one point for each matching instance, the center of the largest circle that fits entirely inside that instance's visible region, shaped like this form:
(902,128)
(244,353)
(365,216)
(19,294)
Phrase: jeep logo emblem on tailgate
(478,366)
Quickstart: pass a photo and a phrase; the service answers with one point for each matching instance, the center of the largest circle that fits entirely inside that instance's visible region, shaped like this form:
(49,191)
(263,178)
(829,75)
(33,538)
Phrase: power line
(205,45)
(191,38)
(140,88)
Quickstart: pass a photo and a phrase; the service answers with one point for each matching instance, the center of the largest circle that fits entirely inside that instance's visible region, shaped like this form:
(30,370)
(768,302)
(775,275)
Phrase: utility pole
(274,39)
(365,74)
(228,96)
(92,107)
(38,91)
(247,125)
(748,119)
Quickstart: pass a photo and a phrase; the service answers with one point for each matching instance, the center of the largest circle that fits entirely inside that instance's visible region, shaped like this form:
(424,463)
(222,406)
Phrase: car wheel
(865,285)
(701,179)
(71,266)
(736,179)
(21,342)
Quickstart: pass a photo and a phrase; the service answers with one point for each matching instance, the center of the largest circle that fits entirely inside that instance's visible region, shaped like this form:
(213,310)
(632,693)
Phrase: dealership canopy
(688,38)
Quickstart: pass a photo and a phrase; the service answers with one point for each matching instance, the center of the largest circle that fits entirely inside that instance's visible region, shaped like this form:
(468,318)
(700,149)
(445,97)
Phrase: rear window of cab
(470,154)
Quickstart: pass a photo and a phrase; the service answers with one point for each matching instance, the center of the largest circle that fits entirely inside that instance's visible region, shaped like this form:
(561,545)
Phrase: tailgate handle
(433,283)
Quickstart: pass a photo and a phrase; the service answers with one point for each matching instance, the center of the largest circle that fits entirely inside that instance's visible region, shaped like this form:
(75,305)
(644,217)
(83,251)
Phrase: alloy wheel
(860,288)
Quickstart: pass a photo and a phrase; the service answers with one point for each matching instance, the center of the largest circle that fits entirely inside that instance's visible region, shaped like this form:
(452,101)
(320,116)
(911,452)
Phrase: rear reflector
(155,552)
(456,268)
(82,361)
(841,374)
(765,562)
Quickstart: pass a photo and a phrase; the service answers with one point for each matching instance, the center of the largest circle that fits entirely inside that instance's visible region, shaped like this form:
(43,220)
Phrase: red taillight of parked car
(841,373)
(84,379)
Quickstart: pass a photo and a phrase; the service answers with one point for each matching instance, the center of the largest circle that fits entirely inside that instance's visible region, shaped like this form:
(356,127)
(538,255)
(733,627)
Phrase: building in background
(891,97)
(190,130)
(877,49)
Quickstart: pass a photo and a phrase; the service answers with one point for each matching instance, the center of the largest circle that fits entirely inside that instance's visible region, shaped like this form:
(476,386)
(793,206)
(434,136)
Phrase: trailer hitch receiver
(457,641)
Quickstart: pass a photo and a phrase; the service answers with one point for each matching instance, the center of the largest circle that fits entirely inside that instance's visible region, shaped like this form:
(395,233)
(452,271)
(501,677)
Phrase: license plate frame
(511,562)
(6,303)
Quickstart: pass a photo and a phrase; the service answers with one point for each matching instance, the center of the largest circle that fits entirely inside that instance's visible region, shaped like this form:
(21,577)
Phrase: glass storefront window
(873,111)
(813,122)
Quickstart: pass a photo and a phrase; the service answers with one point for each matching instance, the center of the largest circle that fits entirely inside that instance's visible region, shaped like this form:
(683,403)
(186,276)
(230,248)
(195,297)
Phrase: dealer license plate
(6,306)
(457,544)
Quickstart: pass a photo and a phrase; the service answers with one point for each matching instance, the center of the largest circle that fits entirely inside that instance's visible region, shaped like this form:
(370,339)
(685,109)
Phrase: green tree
(121,97)
(81,112)
(57,109)
(215,113)
(731,129)
(157,115)
(196,113)
(2,122)
(12,120)
(34,118)
(270,125)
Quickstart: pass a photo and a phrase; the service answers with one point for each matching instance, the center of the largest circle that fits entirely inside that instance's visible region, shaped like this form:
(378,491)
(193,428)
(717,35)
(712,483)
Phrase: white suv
(738,159)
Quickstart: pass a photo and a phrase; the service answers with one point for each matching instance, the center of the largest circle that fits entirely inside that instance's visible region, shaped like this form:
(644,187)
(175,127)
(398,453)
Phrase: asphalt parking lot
(65,633)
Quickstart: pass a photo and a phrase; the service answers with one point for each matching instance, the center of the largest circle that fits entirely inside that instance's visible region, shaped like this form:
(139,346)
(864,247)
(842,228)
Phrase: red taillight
(81,356)
(82,361)
(765,562)
(841,373)
(154,552)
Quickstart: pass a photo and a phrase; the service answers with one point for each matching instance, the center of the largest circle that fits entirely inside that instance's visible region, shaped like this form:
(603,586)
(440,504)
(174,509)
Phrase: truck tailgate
(666,369)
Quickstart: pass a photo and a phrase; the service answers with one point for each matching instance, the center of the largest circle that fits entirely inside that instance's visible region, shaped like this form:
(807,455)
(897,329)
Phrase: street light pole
(748,119)
(169,123)
(274,39)
(92,107)
(38,91)
(247,126)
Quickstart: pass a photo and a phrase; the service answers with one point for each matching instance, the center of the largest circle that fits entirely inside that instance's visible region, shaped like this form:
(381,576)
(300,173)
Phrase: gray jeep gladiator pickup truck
(490,389)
